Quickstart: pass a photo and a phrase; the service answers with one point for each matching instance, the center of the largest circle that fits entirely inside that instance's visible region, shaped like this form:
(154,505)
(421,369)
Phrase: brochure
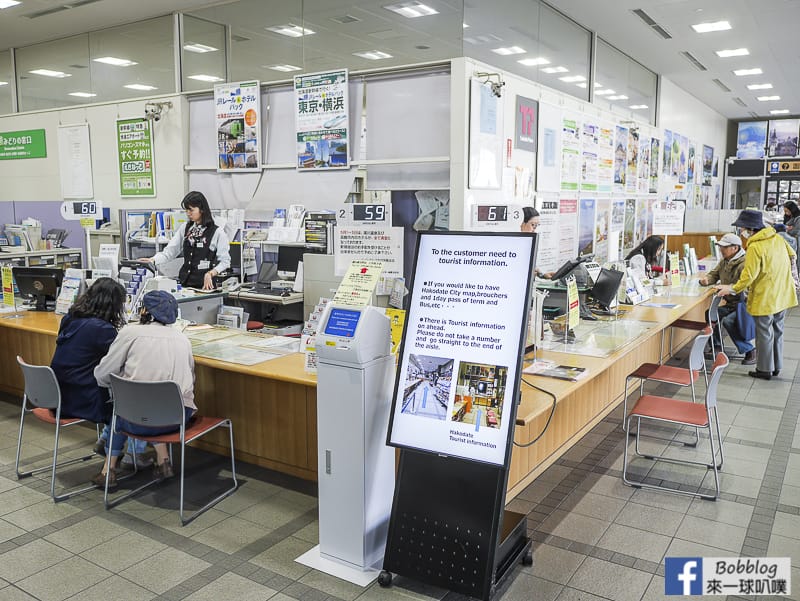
(573,373)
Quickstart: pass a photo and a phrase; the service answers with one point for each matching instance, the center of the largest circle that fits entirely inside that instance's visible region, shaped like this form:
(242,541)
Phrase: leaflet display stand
(454,410)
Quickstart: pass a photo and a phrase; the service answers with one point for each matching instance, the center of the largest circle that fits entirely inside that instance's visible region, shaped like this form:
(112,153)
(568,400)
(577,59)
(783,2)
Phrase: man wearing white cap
(728,271)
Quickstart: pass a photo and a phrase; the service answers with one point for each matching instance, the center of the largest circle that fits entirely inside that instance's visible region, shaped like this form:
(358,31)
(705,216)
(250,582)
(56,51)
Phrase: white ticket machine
(355,380)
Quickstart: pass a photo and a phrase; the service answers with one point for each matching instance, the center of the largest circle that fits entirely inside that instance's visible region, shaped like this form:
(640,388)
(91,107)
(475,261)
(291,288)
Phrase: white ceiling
(768,28)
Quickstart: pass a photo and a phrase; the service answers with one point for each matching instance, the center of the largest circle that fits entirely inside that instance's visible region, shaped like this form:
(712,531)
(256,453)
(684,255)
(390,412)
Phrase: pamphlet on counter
(573,373)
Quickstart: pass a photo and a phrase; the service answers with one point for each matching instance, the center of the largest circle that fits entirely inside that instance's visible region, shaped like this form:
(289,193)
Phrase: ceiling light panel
(572,78)
(709,27)
(508,50)
(8,3)
(779,112)
(283,68)
(83,94)
(140,87)
(50,73)
(373,55)
(532,62)
(637,107)
(206,78)
(3,83)
(743,72)
(732,52)
(767,98)
(558,69)
(291,30)
(618,97)
(114,61)
(760,86)
(412,10)
(199,48)
(606,92)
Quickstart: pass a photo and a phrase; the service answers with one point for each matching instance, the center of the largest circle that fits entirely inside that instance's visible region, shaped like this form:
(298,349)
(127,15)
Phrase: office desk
(267,307)
(273,404)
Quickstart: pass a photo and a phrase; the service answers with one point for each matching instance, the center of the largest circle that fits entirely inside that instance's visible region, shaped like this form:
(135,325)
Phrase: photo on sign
(314,152)
(427,386)
(480,393)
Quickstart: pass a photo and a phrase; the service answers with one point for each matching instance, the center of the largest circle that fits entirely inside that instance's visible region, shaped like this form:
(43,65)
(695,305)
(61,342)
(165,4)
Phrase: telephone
(231,285)
(57,236)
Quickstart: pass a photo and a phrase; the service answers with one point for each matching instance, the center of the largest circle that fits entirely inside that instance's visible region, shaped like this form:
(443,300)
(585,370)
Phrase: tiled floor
(593,537)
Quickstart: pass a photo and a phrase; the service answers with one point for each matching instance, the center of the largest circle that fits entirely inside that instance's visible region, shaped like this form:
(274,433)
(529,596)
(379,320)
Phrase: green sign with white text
(135,152)
(28,144)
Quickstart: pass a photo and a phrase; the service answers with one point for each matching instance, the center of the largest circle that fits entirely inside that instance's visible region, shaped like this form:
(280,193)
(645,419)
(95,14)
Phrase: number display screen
(492,213)
(365,212)
(84,208)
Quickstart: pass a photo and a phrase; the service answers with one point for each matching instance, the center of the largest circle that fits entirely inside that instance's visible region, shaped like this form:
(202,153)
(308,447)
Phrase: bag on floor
(745,324)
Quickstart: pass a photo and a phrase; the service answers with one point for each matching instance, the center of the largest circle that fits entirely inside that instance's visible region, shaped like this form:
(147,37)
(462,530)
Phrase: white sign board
(374,242)
(456,390)
(668,217)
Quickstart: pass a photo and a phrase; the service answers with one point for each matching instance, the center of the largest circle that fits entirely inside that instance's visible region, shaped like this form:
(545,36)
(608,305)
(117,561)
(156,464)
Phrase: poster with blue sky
(751,140)
(586,212)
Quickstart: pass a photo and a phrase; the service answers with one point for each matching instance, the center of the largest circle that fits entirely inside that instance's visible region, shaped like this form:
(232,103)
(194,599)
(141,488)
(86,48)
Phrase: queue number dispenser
(355,380)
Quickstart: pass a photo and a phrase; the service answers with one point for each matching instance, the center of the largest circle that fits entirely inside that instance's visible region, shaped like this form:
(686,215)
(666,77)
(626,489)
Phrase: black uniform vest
(195,251)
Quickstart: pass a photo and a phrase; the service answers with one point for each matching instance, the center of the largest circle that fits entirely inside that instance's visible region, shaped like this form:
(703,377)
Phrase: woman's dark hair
(792,207)
(648,248)
(105,299)
(528,213)
(197,199)
(145,317)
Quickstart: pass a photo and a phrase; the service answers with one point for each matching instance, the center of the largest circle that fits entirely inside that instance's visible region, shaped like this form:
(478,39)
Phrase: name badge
(204,265)
(199,244)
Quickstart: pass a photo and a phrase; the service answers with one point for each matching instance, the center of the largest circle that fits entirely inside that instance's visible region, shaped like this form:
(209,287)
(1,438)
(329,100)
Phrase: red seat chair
(698,326)
(681,413)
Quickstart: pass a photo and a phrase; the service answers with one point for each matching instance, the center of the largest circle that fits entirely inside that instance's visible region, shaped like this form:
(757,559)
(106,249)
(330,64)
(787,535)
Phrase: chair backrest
(720,363)
(696,361)
(713,310)
(153,404)
(41,385)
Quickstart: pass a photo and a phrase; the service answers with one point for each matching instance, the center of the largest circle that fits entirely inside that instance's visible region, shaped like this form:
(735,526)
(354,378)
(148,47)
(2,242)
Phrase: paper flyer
(237,109)
(322,120)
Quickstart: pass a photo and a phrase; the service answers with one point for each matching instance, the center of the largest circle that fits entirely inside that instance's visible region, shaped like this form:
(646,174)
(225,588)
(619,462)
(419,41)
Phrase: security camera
(153,110)
(497,88)
(494,80)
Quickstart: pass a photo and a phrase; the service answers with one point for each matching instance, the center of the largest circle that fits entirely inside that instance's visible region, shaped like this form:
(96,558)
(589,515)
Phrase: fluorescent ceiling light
(760,86)
(140,86)
(584,85)
(618,97)
(637,107)
(465,25)
(558,69)
(572,78)
(707,27)
(284,68)
(532,62)
(117,62)
(508,50)
(779,112)
(741,72)
(412,10)
(373,55)
(83,94)
(734,52)
(199,48)
(3,83)
(291,30)
(768,98)
(49,73)
(203,77)
(605,92)
(8,3)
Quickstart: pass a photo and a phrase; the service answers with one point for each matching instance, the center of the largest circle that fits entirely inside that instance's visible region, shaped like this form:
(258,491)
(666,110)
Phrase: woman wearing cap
(767,277)
(728,271)
(150,351)
(204,245)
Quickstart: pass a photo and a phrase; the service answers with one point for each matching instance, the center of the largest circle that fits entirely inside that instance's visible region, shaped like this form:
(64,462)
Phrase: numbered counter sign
(74,210)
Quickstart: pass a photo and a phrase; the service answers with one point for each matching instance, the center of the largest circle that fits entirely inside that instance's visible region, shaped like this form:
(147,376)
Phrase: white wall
(38,179)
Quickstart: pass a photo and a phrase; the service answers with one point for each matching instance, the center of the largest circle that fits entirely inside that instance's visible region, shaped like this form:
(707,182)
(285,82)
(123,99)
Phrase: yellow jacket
(767,274)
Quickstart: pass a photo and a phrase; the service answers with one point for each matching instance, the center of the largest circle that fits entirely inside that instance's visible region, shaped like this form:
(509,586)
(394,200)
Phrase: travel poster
(238,119)
(643,178)
(708,158)
(667,156)
(547,232)
(655,165)
(567,229)
(691,163)
(586,214)
(783,137)
(570,154)
(620,157)
(322,120)
(601,229)
(633,161)
(629,227)
(456,390)
(605,165)
(135,157)
(751,140)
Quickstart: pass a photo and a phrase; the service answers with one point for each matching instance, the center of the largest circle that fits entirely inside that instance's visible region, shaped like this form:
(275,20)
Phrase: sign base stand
(362,577)
(448,526)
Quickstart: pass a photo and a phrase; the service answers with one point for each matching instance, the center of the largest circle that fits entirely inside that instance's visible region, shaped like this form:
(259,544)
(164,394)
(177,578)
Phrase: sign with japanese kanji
(137,174)
(322,118)
(28,144)
(238,115)
(374,242)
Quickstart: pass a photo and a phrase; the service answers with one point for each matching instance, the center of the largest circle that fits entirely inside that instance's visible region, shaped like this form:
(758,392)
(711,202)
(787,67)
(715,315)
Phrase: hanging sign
(8,286)
(238,119)
(135,158)
(668,217)
(321,117)
(28,144)
(573,300)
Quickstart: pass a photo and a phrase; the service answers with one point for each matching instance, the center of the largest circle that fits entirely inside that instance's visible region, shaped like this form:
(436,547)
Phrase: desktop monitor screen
(288,258)
(567,268)
(41,283)
(606,287)
(236,256)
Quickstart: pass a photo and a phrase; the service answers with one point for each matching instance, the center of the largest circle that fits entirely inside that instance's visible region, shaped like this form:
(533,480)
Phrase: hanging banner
(668,217)
(238,118)
(137,175)
(321,120)
(28,144)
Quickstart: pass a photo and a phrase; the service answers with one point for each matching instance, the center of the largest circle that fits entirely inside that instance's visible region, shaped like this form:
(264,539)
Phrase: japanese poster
(654,165)
(570,154)
(605,169)
(567,229)
(692,161)
(137,174)
(620,157)
(548,233)
(633,160)
(601,229)
(708,159)
(322,120)
(590,158)
(643,178)
(586,226)
(667,170)
(238,118)
(629,231)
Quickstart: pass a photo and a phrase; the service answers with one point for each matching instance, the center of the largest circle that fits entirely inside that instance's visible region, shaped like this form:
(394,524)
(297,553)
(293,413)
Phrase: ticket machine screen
(342,322)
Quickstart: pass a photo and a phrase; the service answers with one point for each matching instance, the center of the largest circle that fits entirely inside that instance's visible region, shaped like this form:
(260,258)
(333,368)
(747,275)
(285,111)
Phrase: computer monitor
(41,283)
(267,273)
(288,258)
(567,268)
(606,287)
(236,257)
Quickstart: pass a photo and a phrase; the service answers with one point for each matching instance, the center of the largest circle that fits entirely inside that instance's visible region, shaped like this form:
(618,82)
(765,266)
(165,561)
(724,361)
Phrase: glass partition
(628,87)
(54,74)
(202,54)
(6,87)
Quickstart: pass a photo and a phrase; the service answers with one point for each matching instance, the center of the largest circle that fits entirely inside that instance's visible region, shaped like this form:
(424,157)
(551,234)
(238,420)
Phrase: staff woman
(204,245)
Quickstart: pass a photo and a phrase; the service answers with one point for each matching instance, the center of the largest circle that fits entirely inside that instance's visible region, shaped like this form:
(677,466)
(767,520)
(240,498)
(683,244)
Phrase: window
(633,86)
(6,87)
(202,54)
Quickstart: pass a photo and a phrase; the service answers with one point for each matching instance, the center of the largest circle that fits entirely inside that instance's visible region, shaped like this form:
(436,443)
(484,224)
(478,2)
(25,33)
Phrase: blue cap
(161,305)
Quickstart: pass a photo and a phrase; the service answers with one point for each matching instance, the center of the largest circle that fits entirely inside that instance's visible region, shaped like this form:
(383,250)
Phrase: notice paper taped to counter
(456,391)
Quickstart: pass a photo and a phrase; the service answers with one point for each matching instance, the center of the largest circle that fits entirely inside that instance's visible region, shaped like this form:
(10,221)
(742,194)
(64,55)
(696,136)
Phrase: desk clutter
(237,346)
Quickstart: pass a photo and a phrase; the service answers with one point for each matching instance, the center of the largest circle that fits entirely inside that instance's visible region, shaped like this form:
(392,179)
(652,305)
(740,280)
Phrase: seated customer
(728,271)
(84,336)
(149,351)
(652,249)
